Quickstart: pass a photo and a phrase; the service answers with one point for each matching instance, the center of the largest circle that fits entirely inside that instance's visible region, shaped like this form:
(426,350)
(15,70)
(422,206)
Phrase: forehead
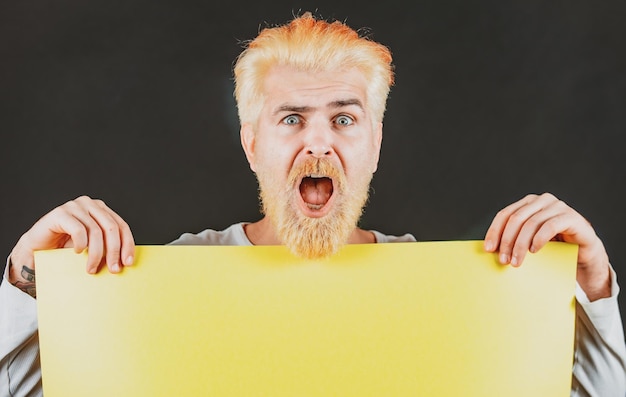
(288,86)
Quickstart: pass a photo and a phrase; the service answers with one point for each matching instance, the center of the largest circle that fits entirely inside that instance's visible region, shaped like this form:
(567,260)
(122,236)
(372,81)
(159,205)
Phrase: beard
(305,236)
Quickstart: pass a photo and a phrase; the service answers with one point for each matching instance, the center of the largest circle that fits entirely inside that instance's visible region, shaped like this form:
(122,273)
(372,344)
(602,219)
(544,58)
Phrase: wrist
(22,277)
(595,281)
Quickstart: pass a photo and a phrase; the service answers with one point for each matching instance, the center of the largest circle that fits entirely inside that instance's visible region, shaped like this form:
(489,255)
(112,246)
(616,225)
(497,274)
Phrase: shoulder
(388,238)
(232,235)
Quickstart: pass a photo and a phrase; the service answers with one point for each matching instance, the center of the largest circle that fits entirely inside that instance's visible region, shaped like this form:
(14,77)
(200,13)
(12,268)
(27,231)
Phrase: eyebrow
(334,104)
(345,102)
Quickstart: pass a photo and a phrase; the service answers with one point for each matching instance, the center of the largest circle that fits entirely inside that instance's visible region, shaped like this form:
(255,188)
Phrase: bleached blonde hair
(310,44)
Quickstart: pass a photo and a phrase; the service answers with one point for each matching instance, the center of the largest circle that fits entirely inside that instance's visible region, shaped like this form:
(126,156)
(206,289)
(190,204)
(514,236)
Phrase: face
(314,150)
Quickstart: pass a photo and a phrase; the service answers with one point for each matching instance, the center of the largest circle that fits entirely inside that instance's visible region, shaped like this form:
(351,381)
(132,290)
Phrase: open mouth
(316,190)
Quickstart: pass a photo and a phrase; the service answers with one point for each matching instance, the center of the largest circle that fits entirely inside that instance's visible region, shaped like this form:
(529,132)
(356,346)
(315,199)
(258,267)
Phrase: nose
(318,141)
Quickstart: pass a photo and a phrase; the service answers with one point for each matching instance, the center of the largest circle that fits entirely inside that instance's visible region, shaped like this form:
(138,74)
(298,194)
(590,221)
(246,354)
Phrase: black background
(131,102)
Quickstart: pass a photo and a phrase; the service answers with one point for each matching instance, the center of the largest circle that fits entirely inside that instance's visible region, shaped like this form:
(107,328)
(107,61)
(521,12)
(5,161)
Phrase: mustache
(319,167)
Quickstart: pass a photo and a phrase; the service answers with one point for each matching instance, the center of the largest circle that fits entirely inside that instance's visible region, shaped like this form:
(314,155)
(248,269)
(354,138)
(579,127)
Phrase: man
(311,97)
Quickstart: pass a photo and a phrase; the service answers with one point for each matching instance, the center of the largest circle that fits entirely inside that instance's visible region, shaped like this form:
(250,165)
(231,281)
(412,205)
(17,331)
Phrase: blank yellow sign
(402,319)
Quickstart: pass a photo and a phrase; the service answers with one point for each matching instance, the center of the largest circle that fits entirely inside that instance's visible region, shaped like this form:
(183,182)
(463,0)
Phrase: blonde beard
(313,237)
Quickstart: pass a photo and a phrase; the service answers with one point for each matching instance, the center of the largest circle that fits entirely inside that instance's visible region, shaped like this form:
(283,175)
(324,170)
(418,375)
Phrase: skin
(312,115)
(315,115)
(528,224)
(81,223)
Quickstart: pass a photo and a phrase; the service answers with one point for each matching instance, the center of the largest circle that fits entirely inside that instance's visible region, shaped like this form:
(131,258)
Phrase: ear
(247,142)
(378,140)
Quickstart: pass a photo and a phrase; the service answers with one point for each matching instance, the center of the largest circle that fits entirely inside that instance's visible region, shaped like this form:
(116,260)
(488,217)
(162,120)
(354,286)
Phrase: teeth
(316,176)
(314,206)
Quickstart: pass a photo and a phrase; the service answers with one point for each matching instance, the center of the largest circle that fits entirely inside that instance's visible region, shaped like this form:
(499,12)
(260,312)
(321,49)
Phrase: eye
(344,120)
(292,119)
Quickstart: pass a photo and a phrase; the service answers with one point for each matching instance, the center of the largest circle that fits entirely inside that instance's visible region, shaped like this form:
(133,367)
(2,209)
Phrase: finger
(64,228)
(523,225)
(57,229)
(94,244)
(561,218)
(536,231)
(119,244)
(513,220)
(95,249)
(127,252)
(78,234)
(110,229)
(498,224)
(514,225)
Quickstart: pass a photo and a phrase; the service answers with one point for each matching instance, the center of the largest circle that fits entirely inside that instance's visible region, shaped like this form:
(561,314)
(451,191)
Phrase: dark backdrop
(131,102)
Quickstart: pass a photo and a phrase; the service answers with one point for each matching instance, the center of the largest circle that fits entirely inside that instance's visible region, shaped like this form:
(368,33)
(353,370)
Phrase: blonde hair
(311,44)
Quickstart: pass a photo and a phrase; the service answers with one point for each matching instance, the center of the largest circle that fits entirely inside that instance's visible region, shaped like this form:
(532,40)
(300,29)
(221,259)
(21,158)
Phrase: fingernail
(129,260)
(514,260)
(115,267)
(504,259)
(488,246)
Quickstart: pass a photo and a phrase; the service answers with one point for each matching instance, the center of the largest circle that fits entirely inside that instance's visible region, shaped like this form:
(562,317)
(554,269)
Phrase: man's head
(313,45)
(311,97)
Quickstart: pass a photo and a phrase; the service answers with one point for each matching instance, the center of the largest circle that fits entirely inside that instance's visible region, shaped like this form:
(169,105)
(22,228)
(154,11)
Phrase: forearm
(19,346)
(600,352)
(22,277)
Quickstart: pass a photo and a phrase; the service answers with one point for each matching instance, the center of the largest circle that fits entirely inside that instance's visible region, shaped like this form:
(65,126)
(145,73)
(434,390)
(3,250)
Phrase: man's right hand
(83,223)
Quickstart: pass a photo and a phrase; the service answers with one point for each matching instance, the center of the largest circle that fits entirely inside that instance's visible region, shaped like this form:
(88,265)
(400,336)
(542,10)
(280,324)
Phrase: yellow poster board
(403,319)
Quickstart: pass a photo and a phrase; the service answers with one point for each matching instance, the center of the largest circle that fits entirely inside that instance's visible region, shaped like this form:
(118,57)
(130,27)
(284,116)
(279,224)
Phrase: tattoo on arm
(28,283)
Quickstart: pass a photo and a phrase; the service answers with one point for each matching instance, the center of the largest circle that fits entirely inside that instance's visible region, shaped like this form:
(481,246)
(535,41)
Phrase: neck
(262,233)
